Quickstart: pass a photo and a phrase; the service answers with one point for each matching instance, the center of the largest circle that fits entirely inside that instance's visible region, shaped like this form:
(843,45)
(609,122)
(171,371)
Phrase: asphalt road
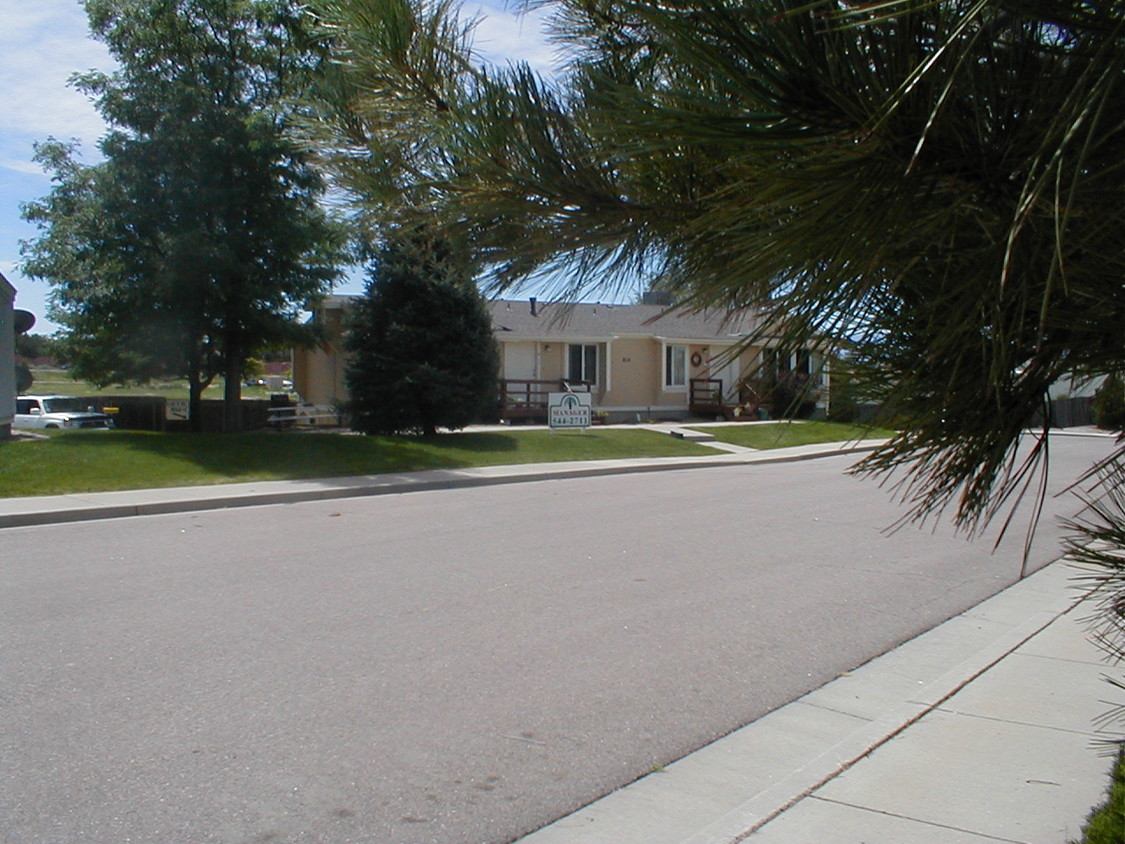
(457,666)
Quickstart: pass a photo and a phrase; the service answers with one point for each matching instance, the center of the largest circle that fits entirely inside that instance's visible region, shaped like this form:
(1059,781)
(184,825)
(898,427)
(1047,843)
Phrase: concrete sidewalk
(980,730)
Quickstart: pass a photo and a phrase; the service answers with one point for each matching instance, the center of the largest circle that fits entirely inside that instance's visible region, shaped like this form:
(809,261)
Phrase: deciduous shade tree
(200,236)
(34,345)
(422,351)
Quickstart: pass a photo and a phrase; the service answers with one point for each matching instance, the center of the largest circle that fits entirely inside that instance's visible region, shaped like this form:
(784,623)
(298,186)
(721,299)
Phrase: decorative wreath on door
(696,359)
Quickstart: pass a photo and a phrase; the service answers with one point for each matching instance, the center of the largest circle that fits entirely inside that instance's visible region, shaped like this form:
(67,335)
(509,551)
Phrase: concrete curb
(56,509)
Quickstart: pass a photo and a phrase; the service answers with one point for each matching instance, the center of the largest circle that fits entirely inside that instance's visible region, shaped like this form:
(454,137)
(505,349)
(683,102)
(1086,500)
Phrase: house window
(777,363)
(781,363)
(675,366)
(582,362)
(770,364)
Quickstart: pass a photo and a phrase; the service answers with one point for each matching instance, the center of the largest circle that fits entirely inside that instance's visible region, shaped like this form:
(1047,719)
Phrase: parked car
(68,412)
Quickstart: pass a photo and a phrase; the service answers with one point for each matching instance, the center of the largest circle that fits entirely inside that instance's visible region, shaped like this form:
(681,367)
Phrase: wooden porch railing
(527,399)
(705,396)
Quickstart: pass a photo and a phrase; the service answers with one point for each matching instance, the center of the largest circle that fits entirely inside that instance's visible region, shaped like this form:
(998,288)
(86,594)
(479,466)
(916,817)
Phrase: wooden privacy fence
(1064,413)
(149,413)
(1068,413)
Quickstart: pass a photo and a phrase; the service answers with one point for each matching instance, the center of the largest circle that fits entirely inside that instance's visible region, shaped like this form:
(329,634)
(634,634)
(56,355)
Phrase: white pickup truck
(58,412)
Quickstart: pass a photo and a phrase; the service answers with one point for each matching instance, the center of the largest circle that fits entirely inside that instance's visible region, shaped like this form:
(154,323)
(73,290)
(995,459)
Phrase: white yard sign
(570,410)
(176,410)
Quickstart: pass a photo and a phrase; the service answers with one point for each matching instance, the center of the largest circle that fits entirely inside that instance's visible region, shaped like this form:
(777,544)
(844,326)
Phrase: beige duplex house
(640,361)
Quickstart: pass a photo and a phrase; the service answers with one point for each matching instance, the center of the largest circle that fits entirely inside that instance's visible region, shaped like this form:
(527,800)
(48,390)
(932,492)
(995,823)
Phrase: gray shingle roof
(512,319)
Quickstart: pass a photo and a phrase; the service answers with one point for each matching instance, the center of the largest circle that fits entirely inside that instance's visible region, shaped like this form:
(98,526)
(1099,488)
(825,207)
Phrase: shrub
(790,395)
(1109,404)
(843,405)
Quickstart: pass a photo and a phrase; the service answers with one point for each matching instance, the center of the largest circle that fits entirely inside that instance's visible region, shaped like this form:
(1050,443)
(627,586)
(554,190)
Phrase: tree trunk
(232,392)
(195,403)
(195,392)
(232,344)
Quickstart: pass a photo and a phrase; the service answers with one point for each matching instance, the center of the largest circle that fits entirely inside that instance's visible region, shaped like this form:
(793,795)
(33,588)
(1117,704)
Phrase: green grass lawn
(783,434)
(59,382)
(1106,824)
(89,461)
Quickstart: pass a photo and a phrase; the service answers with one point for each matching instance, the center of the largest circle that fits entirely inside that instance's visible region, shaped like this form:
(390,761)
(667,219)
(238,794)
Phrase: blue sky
(43,42)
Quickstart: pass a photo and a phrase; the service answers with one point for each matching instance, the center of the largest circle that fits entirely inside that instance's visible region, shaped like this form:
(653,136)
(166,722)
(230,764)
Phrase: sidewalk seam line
(833,709)
(917,820)
(962,714)
(1093,664)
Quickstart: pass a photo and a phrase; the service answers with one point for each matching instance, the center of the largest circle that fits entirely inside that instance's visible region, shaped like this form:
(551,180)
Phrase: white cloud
(504,36)
(19,165)
(43,42)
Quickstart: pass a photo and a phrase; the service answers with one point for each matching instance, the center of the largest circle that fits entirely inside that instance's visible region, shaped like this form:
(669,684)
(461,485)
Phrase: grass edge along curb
(102,461)
(1106,822)
(784,433)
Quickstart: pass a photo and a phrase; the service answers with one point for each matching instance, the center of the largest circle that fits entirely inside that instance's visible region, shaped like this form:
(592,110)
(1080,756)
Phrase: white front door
(520,362)
(730,373)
